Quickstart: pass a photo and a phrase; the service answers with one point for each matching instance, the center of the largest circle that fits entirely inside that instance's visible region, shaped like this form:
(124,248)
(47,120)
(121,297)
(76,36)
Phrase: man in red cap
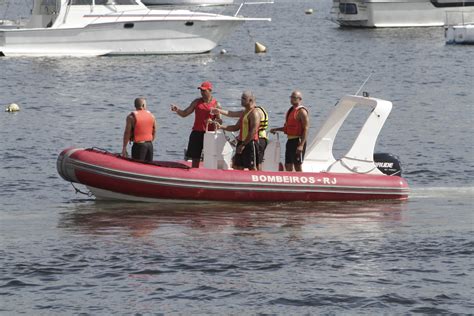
(202,114)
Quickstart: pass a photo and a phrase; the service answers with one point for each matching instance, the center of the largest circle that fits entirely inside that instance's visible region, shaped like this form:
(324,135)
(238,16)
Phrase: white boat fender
(260,48)
(12,107)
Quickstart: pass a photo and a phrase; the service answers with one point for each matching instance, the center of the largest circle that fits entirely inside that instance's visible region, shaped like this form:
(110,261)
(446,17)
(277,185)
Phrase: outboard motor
(389,164)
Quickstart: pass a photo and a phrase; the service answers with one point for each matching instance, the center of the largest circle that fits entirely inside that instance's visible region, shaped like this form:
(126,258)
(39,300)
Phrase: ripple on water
(17,284)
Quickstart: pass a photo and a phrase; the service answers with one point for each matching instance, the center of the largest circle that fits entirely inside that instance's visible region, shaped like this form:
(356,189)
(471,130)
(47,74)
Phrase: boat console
(319,157)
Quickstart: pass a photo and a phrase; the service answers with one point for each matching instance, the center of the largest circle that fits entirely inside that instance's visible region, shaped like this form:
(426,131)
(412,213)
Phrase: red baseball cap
(206,85)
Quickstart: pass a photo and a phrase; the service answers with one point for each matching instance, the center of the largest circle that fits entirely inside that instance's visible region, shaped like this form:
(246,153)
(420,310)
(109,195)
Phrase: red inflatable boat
(356,176)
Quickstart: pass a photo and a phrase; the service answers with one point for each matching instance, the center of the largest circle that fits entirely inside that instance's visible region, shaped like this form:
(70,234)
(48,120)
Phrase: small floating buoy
(12,107)
(309,11)
(260,48)
(223,51)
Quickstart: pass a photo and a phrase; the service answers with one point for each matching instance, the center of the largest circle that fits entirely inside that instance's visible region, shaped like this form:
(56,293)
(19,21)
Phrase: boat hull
(121,38)
(109,176)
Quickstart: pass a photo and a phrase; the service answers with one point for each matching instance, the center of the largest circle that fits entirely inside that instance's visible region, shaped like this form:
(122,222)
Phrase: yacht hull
(118,38)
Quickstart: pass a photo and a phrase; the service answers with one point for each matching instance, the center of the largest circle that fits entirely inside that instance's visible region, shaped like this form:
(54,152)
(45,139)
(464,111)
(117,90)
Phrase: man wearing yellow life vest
(202,110)
(140,129)
(262,133)
(248,124)
(296,128)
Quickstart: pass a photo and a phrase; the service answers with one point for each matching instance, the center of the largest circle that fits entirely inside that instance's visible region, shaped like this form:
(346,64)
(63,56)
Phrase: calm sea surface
(64,253)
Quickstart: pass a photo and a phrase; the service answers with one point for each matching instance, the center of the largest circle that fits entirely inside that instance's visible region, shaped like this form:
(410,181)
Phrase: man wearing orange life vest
(248,124)
(140,129)
(296,128)
(202,110)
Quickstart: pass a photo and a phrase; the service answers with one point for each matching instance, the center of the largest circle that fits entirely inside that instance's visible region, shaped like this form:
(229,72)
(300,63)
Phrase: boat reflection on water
(142,219)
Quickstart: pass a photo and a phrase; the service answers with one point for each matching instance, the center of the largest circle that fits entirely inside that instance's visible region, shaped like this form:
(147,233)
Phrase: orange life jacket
(143,128)
(293,126)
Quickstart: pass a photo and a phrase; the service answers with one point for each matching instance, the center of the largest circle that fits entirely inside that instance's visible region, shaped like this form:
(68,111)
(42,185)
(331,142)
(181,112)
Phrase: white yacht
(114,27)
(397,13)
(188,2)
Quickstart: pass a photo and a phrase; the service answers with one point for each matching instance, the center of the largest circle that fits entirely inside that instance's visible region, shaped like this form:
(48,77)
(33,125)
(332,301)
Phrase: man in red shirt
(202,115)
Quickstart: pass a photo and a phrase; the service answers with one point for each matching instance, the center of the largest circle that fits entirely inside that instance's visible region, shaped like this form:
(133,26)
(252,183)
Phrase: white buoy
(309,11)
(260,48)
(223,51)
(12,107)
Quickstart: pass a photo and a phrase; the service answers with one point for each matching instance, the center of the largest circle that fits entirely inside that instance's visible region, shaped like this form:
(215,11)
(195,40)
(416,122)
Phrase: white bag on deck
(217,151)
(271,159)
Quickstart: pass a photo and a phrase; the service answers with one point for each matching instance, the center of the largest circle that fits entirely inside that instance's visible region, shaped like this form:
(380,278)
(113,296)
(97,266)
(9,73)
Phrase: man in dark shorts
(248,124)
(140,129)
(202,110)
(296,128)
(262,142)
(262,136)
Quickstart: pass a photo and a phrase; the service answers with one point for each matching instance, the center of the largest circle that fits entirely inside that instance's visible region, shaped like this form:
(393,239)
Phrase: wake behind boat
(355,176)
(114,27)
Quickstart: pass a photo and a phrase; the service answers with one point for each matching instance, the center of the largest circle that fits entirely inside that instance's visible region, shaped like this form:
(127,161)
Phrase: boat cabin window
(48,2)
(117,2)
(348,8)
(49,7)
(452,3)
(81,2)
(102,2)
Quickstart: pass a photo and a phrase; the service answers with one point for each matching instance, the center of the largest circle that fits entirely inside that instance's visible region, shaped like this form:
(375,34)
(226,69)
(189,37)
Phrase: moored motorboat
(355,176)
(114,27)
(396,13)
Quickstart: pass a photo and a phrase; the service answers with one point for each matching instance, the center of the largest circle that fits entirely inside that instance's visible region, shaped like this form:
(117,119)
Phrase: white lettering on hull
(292,179)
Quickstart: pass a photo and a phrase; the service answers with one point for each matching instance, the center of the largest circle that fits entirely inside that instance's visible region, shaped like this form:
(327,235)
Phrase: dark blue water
(63,253)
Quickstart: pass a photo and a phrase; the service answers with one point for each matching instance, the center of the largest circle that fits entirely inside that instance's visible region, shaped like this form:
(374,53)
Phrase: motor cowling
(388,164)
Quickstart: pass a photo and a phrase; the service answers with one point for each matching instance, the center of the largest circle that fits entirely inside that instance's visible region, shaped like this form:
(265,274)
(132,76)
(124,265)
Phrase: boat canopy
(360,158)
